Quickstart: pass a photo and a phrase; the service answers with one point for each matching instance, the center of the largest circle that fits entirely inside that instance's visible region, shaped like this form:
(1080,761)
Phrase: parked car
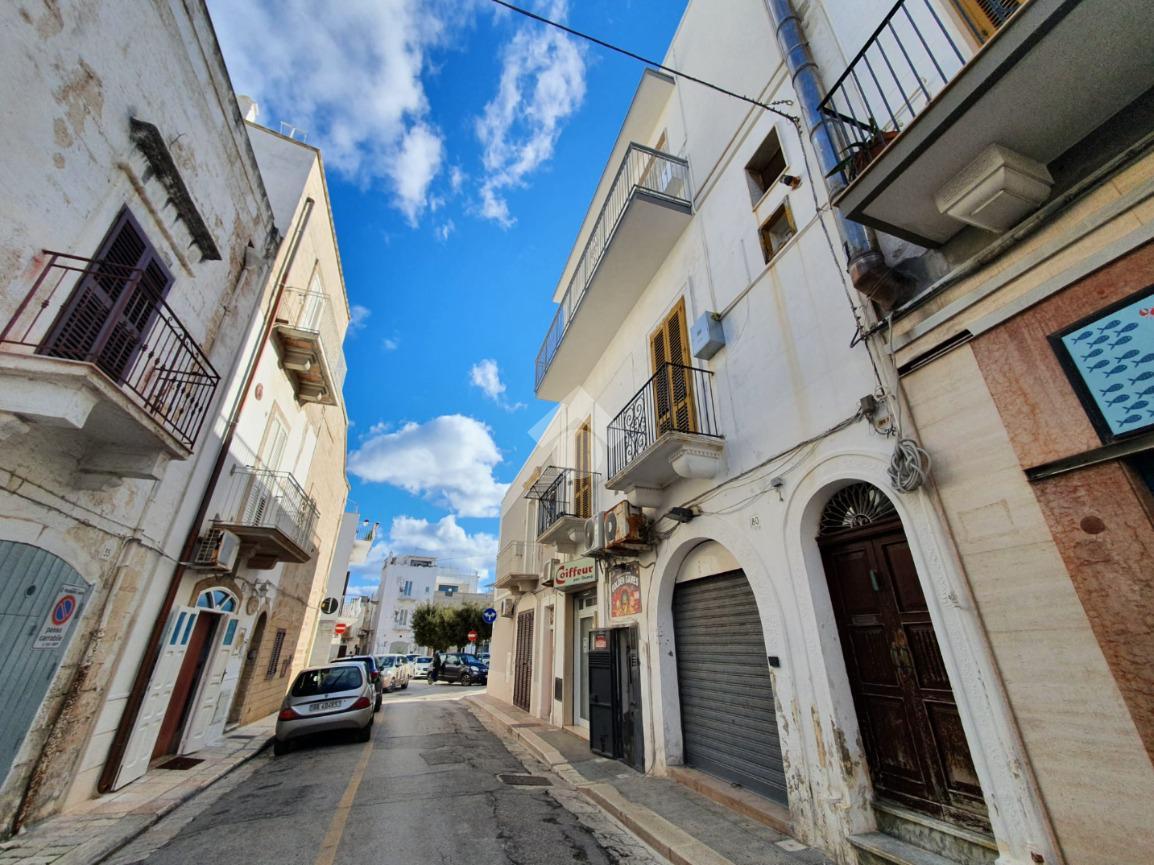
(421,666)
(463,669)
(325,699)
(396,669)
(372,670)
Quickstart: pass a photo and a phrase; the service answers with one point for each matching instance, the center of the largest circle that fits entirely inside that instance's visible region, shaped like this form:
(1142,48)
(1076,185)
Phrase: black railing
(645,169)
(676,399)
(266,499)
(112,316)
(563,492)
(907,61)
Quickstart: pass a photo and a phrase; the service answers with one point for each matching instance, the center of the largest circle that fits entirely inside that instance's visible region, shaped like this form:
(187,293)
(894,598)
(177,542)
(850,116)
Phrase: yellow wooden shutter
(673,401)
(583,483)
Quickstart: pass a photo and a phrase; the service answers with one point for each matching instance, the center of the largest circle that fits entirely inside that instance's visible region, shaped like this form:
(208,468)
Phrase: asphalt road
(424,791)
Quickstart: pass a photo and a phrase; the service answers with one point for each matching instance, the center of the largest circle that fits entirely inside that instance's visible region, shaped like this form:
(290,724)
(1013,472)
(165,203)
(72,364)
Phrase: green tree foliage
(443,628)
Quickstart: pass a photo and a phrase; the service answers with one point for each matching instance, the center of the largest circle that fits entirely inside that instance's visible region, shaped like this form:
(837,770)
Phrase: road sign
(340,628)
(472,636)
(489,616)
(56,626)
(330,606)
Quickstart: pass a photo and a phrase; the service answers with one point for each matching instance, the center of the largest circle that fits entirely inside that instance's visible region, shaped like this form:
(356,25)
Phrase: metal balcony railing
(909,59)
(563,492)
(312,312)
(521,557)
(645,169)
(265,499)
(112,317)
(675,399)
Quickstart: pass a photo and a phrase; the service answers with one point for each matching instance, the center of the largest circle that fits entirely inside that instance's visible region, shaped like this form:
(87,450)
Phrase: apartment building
(406,583)
(835,480)
(137,233)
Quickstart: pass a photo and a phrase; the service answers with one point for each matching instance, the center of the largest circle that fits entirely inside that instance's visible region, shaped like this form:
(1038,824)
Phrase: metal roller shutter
(728,720)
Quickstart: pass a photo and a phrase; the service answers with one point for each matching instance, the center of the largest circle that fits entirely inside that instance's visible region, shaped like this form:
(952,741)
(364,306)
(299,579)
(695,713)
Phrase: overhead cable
(768,106)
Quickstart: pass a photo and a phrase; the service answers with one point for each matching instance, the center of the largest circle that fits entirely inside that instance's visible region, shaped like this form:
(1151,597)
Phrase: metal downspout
(867,266)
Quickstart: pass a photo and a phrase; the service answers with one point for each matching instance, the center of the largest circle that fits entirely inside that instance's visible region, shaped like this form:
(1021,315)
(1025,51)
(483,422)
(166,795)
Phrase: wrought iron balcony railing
(645,169)
(908,60)
(113,317)
(675,399)
(311,312)
(269,500)
(561,493)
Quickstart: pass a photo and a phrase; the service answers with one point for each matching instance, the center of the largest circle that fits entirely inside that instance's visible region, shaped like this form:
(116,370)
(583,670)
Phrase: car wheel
(465,679)
(404,686)
(280,748)
(365,733)
(377,706)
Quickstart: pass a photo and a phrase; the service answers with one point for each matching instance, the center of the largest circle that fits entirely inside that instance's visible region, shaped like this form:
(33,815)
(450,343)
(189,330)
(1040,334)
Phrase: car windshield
(386,661)
(469,659)
(424,660)
(326,680)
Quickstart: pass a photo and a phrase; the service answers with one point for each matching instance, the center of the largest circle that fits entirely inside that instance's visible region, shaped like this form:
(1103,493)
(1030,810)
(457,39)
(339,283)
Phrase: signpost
(340,629)
(472,635)
(330,606)
(489,616)
(55,627)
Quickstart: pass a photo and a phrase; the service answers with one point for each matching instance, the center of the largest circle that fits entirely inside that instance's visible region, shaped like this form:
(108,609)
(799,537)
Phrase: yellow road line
(328,853)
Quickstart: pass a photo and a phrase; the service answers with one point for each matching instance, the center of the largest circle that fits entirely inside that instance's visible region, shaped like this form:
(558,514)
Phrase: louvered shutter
(986,16)
(583,483)
(673,384)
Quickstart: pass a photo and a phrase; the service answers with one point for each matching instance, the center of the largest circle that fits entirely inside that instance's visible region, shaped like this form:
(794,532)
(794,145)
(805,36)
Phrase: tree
(442,628)
(430,627)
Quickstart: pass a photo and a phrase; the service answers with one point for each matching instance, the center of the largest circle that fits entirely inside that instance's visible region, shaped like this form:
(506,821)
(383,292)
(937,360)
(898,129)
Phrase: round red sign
(340,628)
(472,636)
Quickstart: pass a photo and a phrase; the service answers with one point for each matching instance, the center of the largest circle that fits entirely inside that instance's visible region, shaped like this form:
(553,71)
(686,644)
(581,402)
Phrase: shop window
(766,166)
(776,232)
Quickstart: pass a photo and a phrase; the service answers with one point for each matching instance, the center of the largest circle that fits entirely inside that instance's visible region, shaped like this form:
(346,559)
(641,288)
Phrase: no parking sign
(60,617)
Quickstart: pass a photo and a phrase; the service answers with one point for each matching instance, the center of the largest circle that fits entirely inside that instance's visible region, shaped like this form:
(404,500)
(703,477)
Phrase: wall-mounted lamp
(790,180)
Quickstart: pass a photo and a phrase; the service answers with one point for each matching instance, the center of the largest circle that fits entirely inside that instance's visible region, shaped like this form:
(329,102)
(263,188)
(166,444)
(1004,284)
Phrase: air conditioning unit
(549,571)
(508,607)
(625,528)
(217,550)
(593,540)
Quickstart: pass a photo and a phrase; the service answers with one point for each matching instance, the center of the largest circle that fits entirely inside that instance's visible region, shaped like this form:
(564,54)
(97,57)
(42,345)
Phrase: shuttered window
(985,16)
(583,482)
(274,658)
(112,307)
(673,386)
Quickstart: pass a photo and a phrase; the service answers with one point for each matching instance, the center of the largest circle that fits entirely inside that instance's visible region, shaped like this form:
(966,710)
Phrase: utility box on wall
(707,337)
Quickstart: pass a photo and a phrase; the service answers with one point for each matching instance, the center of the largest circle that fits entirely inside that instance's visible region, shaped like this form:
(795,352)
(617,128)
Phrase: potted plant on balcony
(858,155)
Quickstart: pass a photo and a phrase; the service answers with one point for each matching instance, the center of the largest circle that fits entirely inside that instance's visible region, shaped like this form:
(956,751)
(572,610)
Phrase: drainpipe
(867,266)
(152,653)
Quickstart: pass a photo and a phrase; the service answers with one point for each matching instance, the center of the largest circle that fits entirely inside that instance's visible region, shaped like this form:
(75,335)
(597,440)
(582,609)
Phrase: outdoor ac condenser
(217,550)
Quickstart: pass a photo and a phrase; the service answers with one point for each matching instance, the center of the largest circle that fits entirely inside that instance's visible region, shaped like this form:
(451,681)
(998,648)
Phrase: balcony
(644,212)
(945,120)
(565,498)
(94,348)
(667,431)
(272,515)
(309,343)
(519,565)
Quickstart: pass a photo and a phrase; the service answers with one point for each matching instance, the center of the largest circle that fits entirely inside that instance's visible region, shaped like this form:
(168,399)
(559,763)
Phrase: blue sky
(462,145)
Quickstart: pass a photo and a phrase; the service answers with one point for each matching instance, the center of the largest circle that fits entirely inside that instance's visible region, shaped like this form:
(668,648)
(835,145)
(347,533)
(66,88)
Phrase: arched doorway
(911,729)
(252,657)
(41,600)
(728,713)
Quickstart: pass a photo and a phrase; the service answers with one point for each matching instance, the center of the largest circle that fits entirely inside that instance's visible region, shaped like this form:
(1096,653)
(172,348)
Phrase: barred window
(274,659)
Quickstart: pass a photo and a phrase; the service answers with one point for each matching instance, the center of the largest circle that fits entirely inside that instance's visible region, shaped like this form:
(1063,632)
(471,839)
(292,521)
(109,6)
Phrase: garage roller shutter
(728,719)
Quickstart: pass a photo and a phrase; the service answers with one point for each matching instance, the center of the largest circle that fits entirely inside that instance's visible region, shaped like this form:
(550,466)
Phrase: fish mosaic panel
(1112,358)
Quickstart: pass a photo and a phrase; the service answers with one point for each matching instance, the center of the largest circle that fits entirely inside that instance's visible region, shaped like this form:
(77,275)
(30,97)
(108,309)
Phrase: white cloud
(456,178)
(486,375)
(448,460)
(358,317)
(542,84)
(443,231)
(349,76)
(444,539)
(391,343)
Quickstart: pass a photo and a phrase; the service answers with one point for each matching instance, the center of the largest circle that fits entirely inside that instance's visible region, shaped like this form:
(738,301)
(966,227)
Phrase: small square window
(766,166)
(776,232)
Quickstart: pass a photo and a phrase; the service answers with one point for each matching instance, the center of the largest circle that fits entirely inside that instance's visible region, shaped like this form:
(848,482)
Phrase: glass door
(585,620)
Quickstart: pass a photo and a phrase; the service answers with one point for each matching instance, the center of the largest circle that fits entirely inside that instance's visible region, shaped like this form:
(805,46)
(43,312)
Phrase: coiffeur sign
(577,574)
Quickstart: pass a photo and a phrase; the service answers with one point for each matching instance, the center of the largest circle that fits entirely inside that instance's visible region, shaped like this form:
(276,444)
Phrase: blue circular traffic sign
(490,616)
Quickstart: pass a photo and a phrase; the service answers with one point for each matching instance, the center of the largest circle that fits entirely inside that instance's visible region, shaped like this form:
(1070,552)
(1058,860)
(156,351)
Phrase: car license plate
(326,706)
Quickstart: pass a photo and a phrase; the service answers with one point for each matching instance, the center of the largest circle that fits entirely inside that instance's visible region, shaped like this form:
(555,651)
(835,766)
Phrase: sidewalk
(101,826)
(681,824)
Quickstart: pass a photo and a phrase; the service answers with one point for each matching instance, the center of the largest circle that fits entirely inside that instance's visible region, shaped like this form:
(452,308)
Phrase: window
(583,479)
(673,398)
(767,165)
(407,589)
(274,658)
(327,681)
(776,232)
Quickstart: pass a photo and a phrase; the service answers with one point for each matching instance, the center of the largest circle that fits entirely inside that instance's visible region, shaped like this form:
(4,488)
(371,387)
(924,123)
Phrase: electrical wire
(768,106)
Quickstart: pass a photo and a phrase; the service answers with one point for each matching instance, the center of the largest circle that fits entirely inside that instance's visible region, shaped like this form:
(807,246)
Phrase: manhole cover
(180,763)
(523,780)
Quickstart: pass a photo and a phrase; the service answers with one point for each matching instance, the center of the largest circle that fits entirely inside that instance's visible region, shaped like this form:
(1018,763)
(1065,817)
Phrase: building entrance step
(877,848)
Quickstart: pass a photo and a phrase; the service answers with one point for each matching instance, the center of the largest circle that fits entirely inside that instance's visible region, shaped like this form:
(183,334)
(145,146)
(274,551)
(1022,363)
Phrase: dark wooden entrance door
(195,659)
(917,750)
(523,661)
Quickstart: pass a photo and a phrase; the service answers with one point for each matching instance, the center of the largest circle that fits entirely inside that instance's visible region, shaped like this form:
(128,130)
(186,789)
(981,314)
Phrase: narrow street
(424,790)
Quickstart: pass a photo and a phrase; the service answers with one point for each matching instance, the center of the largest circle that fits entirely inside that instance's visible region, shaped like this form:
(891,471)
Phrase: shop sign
(1109,359)
(625,590)
(576,574)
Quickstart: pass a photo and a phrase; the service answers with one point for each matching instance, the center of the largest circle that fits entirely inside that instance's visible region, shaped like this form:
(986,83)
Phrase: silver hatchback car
(324,699)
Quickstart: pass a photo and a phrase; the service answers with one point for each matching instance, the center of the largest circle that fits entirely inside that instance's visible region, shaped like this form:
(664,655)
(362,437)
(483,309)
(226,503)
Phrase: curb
(100,848)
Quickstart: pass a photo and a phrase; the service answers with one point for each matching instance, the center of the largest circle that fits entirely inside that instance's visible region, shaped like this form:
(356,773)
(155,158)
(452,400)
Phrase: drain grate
(181,763)
(520,780)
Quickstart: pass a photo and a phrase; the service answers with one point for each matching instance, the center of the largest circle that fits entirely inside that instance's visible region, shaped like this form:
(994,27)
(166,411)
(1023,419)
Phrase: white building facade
(406,583)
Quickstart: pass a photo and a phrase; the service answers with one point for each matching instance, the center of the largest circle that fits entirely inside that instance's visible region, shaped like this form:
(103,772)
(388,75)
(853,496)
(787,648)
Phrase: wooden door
(196,657)
(673,403)
(583,479)
(107,318)
(916,747)
(523,661)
